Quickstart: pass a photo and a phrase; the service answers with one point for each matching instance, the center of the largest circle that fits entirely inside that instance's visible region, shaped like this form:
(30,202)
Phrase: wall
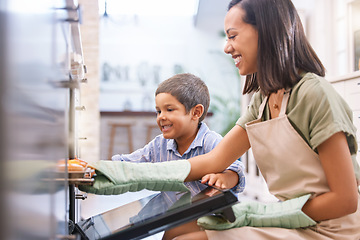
(142,51)
(89,121)
(330,29)
(319,29)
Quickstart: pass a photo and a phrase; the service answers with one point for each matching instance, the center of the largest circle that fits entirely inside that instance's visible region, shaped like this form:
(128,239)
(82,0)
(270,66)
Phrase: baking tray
(74,177)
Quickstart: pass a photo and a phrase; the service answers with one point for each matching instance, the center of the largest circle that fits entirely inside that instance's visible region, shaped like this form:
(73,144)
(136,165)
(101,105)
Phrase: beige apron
(290,168)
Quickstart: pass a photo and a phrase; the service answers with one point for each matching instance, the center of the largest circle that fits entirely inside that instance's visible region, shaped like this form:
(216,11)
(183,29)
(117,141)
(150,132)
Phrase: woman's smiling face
(242,41)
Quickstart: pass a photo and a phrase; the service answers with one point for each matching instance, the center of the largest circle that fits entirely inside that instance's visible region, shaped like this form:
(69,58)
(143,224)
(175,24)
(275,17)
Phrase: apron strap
(262,107)
(284,102)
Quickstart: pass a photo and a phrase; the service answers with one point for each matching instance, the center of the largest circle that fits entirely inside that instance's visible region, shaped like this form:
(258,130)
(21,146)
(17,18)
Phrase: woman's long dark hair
(283,49)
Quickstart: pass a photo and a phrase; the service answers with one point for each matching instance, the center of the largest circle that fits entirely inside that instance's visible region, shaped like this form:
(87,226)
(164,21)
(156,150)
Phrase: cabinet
(346,37)
(354,33)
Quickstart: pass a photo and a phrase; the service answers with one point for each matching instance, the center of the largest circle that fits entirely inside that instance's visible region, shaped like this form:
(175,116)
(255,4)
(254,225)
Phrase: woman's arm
(232,146)
(343,196)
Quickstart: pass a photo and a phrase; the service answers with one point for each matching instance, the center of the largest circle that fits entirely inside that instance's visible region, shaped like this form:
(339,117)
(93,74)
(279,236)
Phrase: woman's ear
(197,111)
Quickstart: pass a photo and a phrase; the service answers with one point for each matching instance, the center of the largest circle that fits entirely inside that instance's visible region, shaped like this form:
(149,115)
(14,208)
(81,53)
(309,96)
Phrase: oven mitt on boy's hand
(285,214)
(116,177)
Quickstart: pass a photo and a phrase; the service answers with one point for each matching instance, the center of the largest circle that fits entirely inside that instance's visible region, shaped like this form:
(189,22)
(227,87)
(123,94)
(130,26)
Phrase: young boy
(182,102)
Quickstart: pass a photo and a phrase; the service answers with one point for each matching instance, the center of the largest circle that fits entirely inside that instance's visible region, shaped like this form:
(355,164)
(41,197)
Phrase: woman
(300,131)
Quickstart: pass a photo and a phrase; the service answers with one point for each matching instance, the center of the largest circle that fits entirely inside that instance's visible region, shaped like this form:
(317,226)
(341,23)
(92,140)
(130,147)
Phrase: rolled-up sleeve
(238,167)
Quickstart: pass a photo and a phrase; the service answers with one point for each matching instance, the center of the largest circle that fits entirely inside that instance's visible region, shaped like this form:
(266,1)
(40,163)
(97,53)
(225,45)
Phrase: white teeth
(166,127)
(237,60)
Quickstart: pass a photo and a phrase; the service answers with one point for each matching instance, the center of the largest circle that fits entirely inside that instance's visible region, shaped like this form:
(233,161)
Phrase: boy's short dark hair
(188,89)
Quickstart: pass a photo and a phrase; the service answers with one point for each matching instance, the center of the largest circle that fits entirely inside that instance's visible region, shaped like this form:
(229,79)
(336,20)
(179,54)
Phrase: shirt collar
(198,141)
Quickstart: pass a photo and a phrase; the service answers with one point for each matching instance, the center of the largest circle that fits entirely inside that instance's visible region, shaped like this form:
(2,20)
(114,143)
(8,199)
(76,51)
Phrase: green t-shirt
(315,110)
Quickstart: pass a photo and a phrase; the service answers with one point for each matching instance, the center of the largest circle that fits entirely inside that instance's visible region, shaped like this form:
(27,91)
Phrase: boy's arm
(238,168)
(141,155)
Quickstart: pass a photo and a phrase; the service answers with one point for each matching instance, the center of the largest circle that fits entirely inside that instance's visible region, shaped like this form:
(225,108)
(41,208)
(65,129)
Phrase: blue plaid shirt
(161,149)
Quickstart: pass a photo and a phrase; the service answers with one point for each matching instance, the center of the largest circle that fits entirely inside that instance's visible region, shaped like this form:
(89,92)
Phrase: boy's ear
(198,111)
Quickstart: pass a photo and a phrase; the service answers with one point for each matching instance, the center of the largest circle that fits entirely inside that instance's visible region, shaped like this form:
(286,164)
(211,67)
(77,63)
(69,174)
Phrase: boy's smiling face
(172,118)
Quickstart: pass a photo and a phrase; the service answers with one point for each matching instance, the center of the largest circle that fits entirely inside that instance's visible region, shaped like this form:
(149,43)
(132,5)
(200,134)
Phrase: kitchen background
(127,50)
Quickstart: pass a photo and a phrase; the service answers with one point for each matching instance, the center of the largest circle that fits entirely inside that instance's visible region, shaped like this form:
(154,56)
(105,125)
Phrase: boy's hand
(225,180)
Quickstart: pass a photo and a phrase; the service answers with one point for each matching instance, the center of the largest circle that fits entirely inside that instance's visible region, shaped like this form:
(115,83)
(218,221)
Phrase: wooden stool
(150,128)
(113,133)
